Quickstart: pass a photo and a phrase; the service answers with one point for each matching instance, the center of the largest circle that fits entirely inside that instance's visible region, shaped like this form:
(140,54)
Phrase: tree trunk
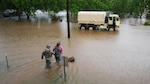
(148,16)
(19,16)
(28,16)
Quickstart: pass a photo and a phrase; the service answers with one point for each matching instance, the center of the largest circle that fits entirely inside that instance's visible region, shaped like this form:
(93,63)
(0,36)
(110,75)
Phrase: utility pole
(7,61)
(67,8)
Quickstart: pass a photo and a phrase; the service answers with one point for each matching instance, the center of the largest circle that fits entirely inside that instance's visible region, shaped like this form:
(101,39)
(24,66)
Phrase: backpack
(47,53)
(57,51)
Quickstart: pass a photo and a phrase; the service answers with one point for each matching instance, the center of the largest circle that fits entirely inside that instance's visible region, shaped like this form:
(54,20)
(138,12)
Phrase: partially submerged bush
(147,23)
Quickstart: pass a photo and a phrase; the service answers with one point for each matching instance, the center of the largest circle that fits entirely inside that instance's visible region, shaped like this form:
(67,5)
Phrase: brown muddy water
(102,57)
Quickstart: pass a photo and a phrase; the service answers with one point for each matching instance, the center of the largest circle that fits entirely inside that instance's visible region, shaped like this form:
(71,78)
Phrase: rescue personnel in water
(48,56)
(58,51)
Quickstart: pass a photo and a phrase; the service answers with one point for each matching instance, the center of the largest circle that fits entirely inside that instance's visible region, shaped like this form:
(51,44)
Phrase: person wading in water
(48,55)
(58,51)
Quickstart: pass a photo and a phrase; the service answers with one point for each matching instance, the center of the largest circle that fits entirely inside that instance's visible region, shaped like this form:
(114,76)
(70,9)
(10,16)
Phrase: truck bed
(91,17)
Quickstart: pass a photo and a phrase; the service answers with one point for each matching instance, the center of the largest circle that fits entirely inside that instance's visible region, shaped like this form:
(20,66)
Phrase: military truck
(98,20)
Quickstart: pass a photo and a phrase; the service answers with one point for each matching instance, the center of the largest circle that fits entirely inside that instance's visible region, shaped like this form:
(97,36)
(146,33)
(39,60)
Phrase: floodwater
(101,57)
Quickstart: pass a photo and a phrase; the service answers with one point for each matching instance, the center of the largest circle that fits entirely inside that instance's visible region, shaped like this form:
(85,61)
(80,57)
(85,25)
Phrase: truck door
(110,21)
(117,22)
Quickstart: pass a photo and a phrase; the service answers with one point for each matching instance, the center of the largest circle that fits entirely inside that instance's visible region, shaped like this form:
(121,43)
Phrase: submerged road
(102,57)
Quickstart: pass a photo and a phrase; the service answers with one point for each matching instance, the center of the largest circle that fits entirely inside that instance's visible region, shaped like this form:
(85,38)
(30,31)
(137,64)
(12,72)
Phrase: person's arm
(42,55)
(52,52)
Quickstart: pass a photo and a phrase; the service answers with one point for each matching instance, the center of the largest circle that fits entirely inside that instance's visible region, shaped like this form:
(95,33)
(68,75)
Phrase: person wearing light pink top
(58,51)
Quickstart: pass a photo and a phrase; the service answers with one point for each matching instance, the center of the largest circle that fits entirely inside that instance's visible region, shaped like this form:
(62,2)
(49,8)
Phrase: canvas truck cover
(91,17)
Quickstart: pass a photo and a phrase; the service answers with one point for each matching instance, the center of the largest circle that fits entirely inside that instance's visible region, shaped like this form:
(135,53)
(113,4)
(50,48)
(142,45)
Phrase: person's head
(48,46)
(58,43)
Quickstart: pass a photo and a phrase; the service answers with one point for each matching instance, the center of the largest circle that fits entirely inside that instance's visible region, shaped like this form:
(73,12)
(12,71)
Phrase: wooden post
(64,70)
(7,61)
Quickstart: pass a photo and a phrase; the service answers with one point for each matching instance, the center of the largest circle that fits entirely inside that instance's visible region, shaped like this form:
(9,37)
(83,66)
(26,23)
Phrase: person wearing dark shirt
(47,53)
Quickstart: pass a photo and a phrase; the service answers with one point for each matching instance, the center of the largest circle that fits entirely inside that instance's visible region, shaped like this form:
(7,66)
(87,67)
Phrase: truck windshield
(110,18)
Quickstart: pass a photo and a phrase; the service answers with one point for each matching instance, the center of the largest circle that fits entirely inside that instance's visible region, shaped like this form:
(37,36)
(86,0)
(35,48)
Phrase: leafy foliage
(135,7)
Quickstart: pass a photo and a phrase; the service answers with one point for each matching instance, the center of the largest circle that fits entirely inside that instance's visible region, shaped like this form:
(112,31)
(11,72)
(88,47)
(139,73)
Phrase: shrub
(147,23)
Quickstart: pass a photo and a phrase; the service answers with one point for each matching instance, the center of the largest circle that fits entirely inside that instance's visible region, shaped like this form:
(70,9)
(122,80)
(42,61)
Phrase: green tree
(135,7)
(138,7)
(147,7)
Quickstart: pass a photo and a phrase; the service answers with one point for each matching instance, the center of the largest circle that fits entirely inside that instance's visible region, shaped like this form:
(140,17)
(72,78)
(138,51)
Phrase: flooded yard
(102,57)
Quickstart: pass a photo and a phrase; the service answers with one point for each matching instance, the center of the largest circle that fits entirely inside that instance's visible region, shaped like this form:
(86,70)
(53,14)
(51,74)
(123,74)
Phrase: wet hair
(58,43)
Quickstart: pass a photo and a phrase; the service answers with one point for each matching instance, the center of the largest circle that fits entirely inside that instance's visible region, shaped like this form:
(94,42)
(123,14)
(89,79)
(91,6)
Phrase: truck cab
(113,21)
